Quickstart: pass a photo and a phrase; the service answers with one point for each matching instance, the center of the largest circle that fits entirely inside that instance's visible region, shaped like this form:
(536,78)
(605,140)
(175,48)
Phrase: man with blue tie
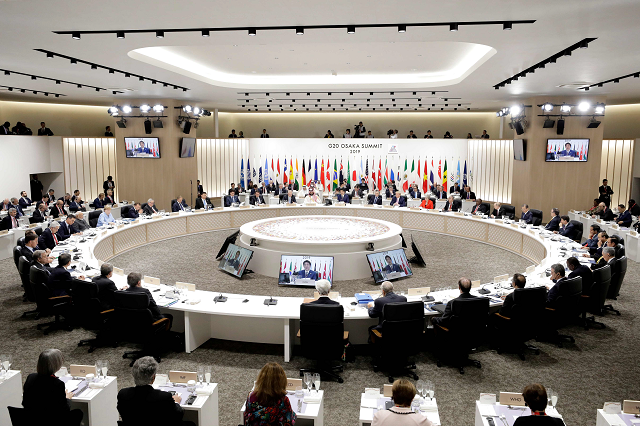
(289,198)
(414,191)
(179,205)
(566,229)
(624,217)
(98,202)
(257,198)
(230,199)
(375,198)
(527,216)
(344,197)
(568,152)
(203,202)
(390,266)
(306,272)
(24,200)
(66,230)
(398,200)
(554,223)
(592,241)
(440,193)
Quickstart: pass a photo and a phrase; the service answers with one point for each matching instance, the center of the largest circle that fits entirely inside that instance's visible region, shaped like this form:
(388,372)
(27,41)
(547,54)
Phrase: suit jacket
(80,225)
(554,292)
(415,194)
(527,217)
(592,242)
(402,202)
(7,223)
(468,195)
(46,240)
(256,199)
(264,135)
(568,231)
(324,300)
(480,209)
(458,190)
(606,214)
(43,267)
(150,210)
(106,288)
(200,189)
(358,193)
(44,397)
(446,316)
(605,193)
(554,224)
(176,207)
(97,203)
(312,274)
(59,281)
(585,273)
(372,198)
(200,203)
(108,200)
(55,211)
(39,216)
(507,304)
(19,212)
(285,198)
(132,213)
(635,210)
(24,202)
(74,206)
(625,217)
(64,231)
(279,191)
(152,304)
(144,405)
(378,305)
(345,198)
(441,195)
(388,193)
(27,252)
(538,421)
(457,205)
(228,200)
(45,132)
(498,213)
(601,263)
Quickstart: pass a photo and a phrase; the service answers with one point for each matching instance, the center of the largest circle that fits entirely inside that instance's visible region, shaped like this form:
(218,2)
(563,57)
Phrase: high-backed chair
(578,226)
(17,252)
(565,310)
(38,230)
(509,211)
(487,207)
(536,216)
(143,205)
(47,304)
(20,242)
(24,267)
(132,321)
(124,210)
(171,206)
(521,326)
(433,200)
(322,338)
(36,219)
(93,218)
(88,312)
(465,330)
(595,299)
(617,277)
(399,338)
(19,416)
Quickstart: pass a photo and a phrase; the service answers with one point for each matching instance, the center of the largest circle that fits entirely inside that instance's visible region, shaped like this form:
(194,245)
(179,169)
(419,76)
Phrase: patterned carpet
(601,366)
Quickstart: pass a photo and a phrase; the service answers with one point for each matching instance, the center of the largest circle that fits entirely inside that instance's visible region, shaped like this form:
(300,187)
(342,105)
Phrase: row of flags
(378,265)
(295,265)
(377,176)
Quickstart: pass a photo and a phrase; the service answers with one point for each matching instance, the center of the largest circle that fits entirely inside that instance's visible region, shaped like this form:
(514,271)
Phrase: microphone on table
(220,298)
(270,301)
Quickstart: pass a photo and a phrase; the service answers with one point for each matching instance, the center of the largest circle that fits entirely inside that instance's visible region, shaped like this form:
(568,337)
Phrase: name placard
(511,398)
(615,226)
(244,207)
(135,221)
(340,203)
(388,207)
(501,278)
(174,214)
(200,209)
(514,225)
(633,233)
(419,291)
(487,398)
(185,286)
(103,233)
(372,393)
(387,390)
(155,217)
(458,213)
(631,407)
(612,407)
(475,284)
(291,204)
(217,209)
(118,271)
(292,384)
(120,226)
(151,280)
(373,292)
(414,208)
(34,225)
(182,376)
(367,205)
(5,232)
(530,269)
(81,370)
(532,232)
(263,205)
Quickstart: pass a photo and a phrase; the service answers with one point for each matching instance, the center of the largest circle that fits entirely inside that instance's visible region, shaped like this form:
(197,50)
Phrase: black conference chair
(21,241)
(620,239)
(19,416)
(509,211)
(322,338)
(620,251)
(171,206)
(93,218)
(596,298)
(38,219)
(579,227)
(89,313)
(38,231)
(132,321)
(464,332)
(16,255)
(565,310)
(47,304)
(433,200)
(124,210)
(537,217)
(617,277)
(487,208)
(143,206)
(521,326)
(399,338)
(24,267)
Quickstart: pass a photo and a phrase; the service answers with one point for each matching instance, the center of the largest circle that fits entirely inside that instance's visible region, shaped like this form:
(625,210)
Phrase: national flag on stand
(248,172)
(322,172)
(440,170)
(405,178)
(278,173)
(458,175)
(286,178)
(260,174)
(335,174)
(242,172)
(464,176)
(431,174)
(341,175)
(386,173)
(328,171)
(425,181)
(444,176)
(349,172)
(304,173)
(354,173)
(360,172)
(291,177)
(266,170)
(273,172)
(296,174)
(366,173)
(315,171)
(392,177)
(380,173)
(413,167)
(373,172)
(324,275)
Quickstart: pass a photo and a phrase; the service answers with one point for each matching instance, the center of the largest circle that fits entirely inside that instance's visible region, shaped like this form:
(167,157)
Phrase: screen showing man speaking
(389,265)
(305,270)
(235,260)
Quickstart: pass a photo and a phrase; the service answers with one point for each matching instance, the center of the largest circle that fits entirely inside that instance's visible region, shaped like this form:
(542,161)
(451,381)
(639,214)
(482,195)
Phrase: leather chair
(171,206)
(509,211)
(620,251)
(565,310)
(19,416)
(20,241)
(132,321)
(465,331)
(37,276)
(617,277)
(322,338)
(620,239)
(487,207)
(38,230)
(124,210)
(24,267)
(143,205)
(596,298)
(521,326)
(433,200)
(16,255)
(93,218)
(579,227)
(88,312)
(399,338)
(536,216)
(47,304)
(35,220)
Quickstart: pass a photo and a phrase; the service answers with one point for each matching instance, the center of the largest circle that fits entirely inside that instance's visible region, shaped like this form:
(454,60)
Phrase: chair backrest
(16,255)
(537,216)
(24,265)
(93,218)
(39,230)
(617,275)
(21,241)
(124,210)
(322,331)
(487,207)
(579,227)
(528,302)
(132,317)
(620,251)
(600,289)
(402,328)
(172,202)
(620,239)
(509,211)
(568,302)
(19,416)
(86,303)
(469,320)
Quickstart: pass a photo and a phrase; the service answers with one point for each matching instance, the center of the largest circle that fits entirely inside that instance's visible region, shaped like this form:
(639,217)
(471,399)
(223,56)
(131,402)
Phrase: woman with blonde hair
(268,404)
(402,393)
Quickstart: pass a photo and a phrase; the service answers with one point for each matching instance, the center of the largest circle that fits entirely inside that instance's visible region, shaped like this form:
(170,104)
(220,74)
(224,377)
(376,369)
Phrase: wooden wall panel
(84,160)
(219,163)
(490,168)
(617,167)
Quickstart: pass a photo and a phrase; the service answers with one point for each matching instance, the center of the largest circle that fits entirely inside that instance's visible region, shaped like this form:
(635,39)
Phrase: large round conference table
(246,318)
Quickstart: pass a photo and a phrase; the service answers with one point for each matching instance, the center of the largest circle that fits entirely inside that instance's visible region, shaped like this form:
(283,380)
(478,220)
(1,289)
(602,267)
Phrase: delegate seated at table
(402,394)
(268,404)
(105,217)
(323,287)
(535,396)
(307,272)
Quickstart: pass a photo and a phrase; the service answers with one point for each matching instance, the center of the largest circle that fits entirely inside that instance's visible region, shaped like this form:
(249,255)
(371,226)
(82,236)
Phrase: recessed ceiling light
(205,33)
(252,32)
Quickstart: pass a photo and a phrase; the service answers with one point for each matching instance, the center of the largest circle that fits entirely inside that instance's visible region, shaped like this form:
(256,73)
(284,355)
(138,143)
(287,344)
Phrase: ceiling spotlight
(584,44)
(586,89)
(402,28)
(94,67)
(141,78)
(73,61)
(499,114)
(252,32)
(10,89)
(126,74)
(547,107)
(159,34)
(351,29)
(22,90)
(33,77)
(187,108)
(158,108)
(583,106)
(507,26)
(75,35)
(126,109)
(636,75)
(565,108)
(120,34)
(453,27)
(145,108)
(197,110)
(599,109)
(515,110)
(7,73)
(97,89)
(300,31)
(205,33)
(616,80)
(567,53)
(49,55)
(113,110)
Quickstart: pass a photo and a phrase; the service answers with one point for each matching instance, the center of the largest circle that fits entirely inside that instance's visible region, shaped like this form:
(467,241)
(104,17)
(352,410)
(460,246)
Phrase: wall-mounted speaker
(548,123)
(147,127)
(560,127)
(187,127)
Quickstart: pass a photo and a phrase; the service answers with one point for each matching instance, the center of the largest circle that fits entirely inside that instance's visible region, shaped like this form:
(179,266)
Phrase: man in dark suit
(306,271)
(479,208)
(179,205)
(60,280)
(199,187)
(40,213)
(518,281)
(134,212)
(106,287)
(377,306)
(150,208)
(567,151)
(66,200)
(583,271)
(98,203)
(234,262)
(36,186)
(399,200)
(592,241)
(624,216)
(10,221)
(456,188)
(203,202)
(389,192)
(375,198)
(48,239)
(452,205)
(280,190)
(134,279)
(30,246)
(634,208)
(464,285)
(605,192)
(264,134)
(233,188)
(604,212)
(66,228)
(230,199)
(414,192)
(144,405)
(554,223)
(567,229)
(557,276)
(44,130)
(344,197)
(440,193)
(357,192)
(24,200)
(614,241)
(58,210)
(15,205)
(271,187)
(595,252)
(467,194)
(256,199)
(498,211)
(41,260)
(323,287)
(80,225)
(76,204)
(608,258)
(527,216)
(289,198)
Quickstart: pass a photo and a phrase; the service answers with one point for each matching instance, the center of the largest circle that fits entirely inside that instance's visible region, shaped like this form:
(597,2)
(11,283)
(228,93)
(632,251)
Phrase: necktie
(15,222)
(467,195)
(55,239)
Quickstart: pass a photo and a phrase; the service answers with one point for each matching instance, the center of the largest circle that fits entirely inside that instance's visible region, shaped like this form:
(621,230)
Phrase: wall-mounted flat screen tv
(188,147)
(142,147)
(563,150)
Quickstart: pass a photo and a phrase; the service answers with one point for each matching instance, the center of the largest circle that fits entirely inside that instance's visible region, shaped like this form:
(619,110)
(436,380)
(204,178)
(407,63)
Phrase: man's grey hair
(610,251)
(150,200)
(54,224)
(79,215)
(323,287)
(556,211)
(134,278)
(38,254)
(143,370)
(106,269)
(386,287)
(558,269)
(14,200)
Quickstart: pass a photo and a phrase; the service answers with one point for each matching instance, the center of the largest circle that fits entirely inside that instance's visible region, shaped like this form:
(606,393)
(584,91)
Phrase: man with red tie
(10,221)
(48,239)
(58,209)
(479,208)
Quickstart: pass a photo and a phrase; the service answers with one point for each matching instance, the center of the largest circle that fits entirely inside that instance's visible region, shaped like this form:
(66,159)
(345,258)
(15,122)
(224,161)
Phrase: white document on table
(71,385)
(369,403)
(486,410)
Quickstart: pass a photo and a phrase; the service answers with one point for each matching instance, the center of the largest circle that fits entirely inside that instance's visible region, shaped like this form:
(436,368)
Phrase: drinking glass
(207,374)
(420,387)
(307,380)
(299,392)
(316,381)
(191,386)
(98,369)
(549,392)
(2,358)
(554,399)
(6,362)
(105,367)
(200,374)
(425,390)
(432,389)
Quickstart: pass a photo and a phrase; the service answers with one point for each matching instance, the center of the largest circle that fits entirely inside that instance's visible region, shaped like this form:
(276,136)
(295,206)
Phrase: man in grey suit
(388,296)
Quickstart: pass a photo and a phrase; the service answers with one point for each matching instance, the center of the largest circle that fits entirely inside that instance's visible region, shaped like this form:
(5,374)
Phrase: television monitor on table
(235,260)
(389,265)
(187,147)
(142,147)
(305,270)
(564,150)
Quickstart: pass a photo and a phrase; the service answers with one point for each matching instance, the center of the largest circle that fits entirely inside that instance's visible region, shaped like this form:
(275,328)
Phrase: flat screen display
(305,270)
(519,150)
(235,260)
(562,150)
(389,265)
(142,147)
(188,147)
